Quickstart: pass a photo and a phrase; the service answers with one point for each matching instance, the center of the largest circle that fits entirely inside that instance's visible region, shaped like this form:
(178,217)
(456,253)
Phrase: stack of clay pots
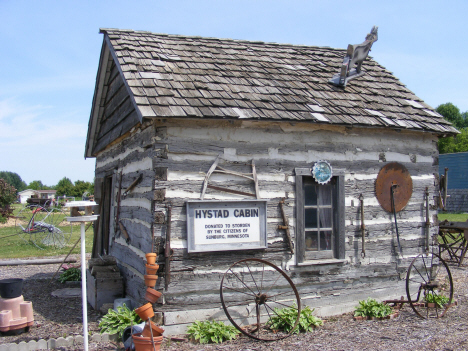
(151,337)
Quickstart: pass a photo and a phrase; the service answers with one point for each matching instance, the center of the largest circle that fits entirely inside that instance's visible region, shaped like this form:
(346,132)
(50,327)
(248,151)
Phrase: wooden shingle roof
(180,76)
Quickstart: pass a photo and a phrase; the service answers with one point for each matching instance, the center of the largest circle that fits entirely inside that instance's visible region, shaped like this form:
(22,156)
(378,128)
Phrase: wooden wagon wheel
(251,291)
(429,286)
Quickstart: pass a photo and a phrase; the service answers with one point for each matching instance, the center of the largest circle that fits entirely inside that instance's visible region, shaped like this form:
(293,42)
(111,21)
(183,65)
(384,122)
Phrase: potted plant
(435,300)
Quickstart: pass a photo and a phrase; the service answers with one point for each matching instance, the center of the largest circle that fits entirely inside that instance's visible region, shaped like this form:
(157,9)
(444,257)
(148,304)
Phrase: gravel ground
(56,317)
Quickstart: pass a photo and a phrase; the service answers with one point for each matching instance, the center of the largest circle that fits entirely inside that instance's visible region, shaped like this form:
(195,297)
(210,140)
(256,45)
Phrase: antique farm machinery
(43,226)
(429,284)
(252,291)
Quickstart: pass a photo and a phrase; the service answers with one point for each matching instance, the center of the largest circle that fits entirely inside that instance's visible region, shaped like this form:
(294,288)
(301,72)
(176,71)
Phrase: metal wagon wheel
(43,227)
(251,291)
(429,279)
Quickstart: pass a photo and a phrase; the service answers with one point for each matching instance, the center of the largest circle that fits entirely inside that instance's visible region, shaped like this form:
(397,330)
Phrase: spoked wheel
(252,290)
(43,228)
(429,286)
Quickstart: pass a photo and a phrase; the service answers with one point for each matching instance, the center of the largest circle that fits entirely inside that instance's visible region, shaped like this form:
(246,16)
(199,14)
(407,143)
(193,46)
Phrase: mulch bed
(55,317)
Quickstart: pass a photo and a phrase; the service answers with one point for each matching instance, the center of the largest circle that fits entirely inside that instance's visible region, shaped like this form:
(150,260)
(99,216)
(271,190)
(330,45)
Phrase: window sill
(320,262)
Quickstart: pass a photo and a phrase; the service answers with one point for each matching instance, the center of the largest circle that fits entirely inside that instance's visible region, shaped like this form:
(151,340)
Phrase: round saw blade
(396,175)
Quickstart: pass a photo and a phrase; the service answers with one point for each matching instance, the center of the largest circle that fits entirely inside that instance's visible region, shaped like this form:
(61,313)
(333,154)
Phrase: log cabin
(185,128)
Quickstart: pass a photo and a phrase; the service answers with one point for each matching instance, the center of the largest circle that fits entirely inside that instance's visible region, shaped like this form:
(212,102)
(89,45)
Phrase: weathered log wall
(174,156)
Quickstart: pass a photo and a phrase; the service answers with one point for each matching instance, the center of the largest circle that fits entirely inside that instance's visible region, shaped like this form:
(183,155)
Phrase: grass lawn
(453,217)
(15,243)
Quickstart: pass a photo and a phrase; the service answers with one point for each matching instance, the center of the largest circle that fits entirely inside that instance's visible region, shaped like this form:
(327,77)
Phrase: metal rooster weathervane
(355,55)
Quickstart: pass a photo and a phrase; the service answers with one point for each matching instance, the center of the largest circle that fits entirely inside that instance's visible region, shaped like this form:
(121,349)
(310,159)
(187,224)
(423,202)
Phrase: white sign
(231,225)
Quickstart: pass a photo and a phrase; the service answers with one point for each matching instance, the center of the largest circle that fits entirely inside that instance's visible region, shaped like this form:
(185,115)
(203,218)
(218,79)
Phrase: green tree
(64,187)
(36,185)
(91,188)
(13,179)
(454,144)
(458,143)
(7,197)
(80,187)
(452,114)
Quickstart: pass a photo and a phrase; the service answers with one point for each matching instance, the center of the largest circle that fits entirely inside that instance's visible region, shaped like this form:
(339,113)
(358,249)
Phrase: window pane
(310,194)
(325,240)
(325,218)
(325,194)
(311,241)
(311,218)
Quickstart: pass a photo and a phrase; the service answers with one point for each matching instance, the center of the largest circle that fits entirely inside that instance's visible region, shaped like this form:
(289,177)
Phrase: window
(319,217)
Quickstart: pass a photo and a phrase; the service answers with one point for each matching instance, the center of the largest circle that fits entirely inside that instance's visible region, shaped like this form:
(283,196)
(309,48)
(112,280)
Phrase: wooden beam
(208,174)
(36,261)
(230,190)
(254,172)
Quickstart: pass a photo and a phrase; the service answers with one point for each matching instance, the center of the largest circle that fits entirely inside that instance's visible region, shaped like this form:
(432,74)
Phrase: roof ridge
(242,41)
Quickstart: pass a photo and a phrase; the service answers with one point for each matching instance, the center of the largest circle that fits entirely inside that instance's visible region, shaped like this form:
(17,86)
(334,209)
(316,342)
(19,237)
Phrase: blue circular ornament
(322,172)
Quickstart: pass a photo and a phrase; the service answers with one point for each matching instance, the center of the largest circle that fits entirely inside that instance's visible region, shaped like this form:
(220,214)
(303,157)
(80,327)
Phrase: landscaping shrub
(285,318)
(372,308)
(211,331)
(72,274)
(440,300)
(114,322)
(7,197)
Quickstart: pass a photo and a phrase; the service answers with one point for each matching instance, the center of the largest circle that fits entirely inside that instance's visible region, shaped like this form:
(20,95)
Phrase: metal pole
(84,299)
(428,221)
(394,215)
(363,228)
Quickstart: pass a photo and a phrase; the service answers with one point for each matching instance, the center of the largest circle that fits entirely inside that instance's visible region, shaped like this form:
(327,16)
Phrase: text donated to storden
(227,225)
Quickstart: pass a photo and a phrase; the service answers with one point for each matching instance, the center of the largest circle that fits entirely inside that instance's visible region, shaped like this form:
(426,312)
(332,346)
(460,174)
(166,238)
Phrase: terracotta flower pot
(150,280)
(151,258)
(157,331)
(152,295)
(144,343)
(145,311)
(152,268)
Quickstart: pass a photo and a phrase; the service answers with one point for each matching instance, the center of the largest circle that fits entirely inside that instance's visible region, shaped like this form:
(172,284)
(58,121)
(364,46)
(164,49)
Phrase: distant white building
(24,195)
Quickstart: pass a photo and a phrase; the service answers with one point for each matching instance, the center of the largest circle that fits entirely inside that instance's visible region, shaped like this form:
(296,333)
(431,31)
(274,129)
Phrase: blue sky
(49,53)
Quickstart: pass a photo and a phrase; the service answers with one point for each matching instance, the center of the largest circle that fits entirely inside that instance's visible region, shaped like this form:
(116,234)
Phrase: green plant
(114,322)
(211,331)
(372,308)
(72,274)
(440,300)
(7,197)
(285,318)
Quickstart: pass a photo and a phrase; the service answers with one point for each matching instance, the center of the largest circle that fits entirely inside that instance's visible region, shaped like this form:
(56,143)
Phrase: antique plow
(453,242)
(429,287)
